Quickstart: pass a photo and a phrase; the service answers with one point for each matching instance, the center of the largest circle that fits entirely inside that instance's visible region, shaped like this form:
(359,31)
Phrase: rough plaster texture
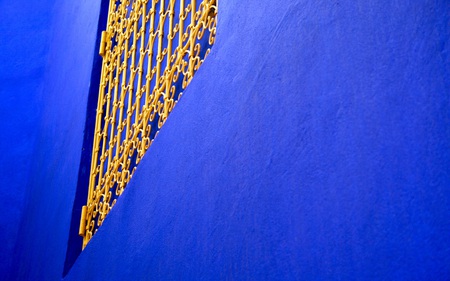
(43,237)
(312,144)
(24,37)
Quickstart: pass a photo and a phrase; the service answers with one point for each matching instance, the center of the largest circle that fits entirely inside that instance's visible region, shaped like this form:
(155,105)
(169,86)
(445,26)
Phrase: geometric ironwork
(151,50)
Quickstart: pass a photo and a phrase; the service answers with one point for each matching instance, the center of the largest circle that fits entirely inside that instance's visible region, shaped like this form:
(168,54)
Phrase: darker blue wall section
(43,238)
(24,37)
(312,144)
(75,241)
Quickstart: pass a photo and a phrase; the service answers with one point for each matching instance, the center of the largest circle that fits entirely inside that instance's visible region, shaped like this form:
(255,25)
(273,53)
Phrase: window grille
(151,50)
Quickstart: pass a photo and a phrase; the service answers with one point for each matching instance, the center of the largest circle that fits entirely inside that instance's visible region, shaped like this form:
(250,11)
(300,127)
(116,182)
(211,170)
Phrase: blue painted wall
(44,231)
(312,144)
(24,42)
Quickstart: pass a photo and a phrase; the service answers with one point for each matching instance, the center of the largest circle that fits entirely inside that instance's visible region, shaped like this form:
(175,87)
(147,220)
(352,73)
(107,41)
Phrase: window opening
(151,50)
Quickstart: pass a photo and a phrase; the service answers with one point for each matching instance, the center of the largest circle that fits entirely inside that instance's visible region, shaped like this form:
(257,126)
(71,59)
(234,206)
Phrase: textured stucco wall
(44,231)
(24,42)
(312,144)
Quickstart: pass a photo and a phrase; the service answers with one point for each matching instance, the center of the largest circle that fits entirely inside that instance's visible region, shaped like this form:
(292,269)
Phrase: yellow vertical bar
(160,41)
(141,61)
(82,229)
(138,116)
(168,79)
(95,150)
(149,53)
(150,46)
(170,36)
(159,56)
(192,41)
(130,85)
(181,24)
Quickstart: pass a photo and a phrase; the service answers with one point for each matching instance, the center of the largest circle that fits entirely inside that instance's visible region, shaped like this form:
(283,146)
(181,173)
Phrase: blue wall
(24,42)
(43,237)
(312,144)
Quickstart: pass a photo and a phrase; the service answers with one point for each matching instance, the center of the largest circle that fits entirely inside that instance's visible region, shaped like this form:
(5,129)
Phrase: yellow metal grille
(151,50)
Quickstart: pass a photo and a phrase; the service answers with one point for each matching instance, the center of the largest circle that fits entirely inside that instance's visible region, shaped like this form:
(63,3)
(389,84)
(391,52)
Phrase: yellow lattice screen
(151,50)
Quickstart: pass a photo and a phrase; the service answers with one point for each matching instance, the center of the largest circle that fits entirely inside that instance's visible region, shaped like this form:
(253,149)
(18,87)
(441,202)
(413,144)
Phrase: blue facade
(24,45)
(312,144)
